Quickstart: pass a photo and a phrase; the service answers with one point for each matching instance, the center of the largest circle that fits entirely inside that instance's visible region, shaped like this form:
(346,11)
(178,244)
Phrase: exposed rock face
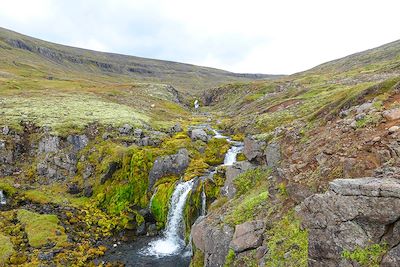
(273,155)
(247,235)
(58,158)
(253,149)
(354,212)
(174,164)
(112,168)
(212,240)
(198,134)
(231,173)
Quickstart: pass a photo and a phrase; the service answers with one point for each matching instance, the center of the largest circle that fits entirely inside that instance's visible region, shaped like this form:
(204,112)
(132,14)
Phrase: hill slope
(54,59)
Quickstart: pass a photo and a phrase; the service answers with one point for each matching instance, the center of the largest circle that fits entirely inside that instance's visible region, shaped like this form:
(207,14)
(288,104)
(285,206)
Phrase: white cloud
(283,36)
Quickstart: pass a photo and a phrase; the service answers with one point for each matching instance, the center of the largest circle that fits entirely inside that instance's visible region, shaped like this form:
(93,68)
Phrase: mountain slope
(54,59)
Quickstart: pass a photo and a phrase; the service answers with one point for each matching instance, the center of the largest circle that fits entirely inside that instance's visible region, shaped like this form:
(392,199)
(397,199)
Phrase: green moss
(247,209)
(197,259)
(6,249)
(240,157)
(215,151)
(160,203)
(369,256)
(42,229)
(247,180)
(230,258)
(287,243)
(7,188)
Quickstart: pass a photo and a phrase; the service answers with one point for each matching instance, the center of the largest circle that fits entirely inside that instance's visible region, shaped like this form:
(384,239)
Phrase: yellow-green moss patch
(6,249)
(42,229)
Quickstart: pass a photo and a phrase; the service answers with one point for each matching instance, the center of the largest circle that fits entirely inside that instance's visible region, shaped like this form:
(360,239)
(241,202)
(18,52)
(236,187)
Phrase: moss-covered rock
(160,201)
(6,249)
(216,150)
(42,229)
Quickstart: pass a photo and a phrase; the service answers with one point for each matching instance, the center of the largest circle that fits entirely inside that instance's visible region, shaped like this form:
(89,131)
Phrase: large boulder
(248,235)
(49,144)
(174,164)
(253,149)
(353,213)
(231,173)
(213,240)
(198,134)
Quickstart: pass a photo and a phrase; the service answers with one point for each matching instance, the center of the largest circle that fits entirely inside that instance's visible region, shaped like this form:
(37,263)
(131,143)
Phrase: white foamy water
(172,241)
(230,156)
(3,200)
(218,135)
(203,202)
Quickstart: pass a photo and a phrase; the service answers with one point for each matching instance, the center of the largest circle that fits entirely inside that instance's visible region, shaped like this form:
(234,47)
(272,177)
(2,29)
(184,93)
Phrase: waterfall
(3,200)
(203,202)
(230,156)
(218,135)
(172,241)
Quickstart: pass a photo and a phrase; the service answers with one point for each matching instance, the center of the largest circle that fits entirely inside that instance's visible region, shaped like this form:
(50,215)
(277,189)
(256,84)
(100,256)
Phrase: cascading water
(230,156)
(152,197)
(3,200)
(172,242)
(203,202)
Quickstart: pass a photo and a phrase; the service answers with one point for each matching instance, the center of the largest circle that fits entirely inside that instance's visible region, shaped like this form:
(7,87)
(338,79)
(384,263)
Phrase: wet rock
(253,149)
(141,230)
(231,173)
(174,164)
(152,229)
(198,134)
(393,114)
(353,213)
(125,129)
(247,235)
(112,168)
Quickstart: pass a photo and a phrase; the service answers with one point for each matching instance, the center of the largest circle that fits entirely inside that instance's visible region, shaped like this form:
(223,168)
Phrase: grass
(42,229)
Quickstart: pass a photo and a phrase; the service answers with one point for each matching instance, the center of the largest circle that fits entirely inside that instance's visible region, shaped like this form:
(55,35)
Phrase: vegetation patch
(287,243)
(42,229)
(368,256)
(6,249)
(215,151)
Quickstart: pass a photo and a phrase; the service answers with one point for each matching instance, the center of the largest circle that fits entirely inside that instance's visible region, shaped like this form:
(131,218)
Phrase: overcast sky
(279,36)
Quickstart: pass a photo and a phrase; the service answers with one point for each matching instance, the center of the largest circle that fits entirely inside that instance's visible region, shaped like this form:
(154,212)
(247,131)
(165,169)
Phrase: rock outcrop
(254,149)
(174,164)
(248,235)
(353,213)
(231,173)
(212,239)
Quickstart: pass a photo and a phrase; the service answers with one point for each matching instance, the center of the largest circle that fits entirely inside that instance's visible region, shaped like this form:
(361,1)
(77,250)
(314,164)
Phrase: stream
(169,248)
(3,200)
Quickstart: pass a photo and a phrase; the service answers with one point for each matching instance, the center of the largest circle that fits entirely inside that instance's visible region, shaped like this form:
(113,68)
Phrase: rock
(353,213)
(5,130)
(273,155)
(231,173)
(174,164)
(212,240)
(177,128)
(87,172)
(78,141)
(141,230)
(152,229)
(88,191)
(376,139)
(46,256)
(112,168)
(360,116)
(198,134)
(392,114)
(138,133)
(353,124)
(125,129)
(260,252)
(344,113)
(74,189)
(392,258)
(364,107)
(49,144)
(247,235)
(393,129)
(253,149)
